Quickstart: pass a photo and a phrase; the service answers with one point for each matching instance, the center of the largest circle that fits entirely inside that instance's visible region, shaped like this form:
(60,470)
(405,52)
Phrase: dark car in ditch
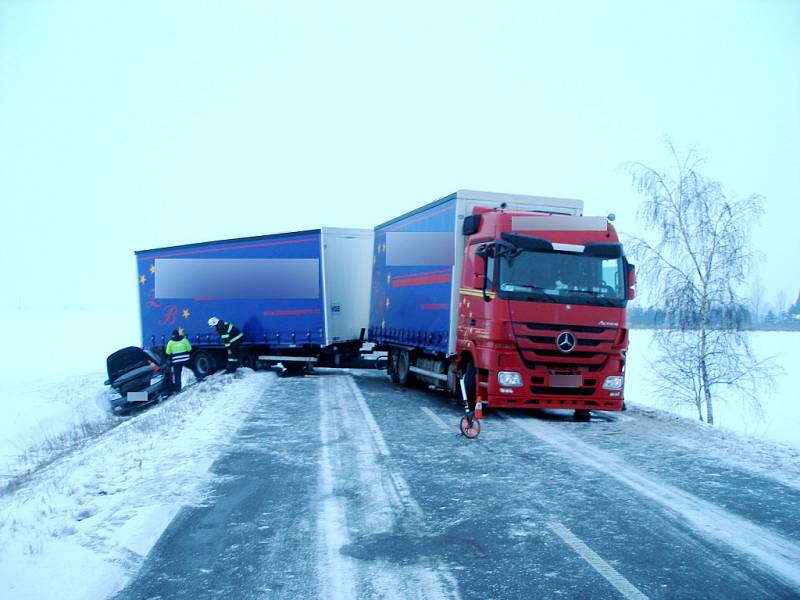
(137,377)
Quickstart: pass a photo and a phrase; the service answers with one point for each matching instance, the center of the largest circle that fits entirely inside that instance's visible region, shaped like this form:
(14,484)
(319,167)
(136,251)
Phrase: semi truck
(300,298)
(520,298)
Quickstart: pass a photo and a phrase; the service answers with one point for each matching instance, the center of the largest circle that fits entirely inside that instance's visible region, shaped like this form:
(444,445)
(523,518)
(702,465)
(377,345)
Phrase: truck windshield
(564,277)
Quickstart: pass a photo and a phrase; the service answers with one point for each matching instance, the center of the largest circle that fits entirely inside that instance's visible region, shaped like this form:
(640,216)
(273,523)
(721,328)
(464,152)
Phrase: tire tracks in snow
(774,551)
(363,497)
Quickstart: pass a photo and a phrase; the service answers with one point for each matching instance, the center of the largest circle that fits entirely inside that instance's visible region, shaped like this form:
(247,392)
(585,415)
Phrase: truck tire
(249,360)
(391,367)
(204,363)
(404,375)
(582,416)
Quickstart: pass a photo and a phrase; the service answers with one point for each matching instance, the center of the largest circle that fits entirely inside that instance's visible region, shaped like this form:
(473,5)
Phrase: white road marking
(337,578)
(625,587)
(771,549)
(436,419)
(389,489)
(398,482)
(373,426)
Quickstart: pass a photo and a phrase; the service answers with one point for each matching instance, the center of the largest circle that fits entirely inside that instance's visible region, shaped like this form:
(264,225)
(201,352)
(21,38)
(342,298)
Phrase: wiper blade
(541,298)
(603,301)
(599,299)
(532,293)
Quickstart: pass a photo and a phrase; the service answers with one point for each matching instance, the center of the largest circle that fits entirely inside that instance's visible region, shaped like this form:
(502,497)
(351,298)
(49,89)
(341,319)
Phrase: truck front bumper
(522,400)
(577,388)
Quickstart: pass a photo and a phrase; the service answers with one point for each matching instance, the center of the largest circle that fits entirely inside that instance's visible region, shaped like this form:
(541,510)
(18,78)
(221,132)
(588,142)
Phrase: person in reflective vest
(232,338)
(179,355)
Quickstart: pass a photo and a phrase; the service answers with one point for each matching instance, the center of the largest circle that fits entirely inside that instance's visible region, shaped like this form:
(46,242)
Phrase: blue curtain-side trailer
(299,297)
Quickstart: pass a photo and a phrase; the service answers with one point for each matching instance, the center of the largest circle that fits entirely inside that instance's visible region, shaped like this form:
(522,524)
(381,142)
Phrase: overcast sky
(126,126)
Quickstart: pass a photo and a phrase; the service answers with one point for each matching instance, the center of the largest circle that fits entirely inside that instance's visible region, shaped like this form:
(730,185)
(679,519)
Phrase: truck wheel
(391,368)
(582,416)
(293,367)
(204,363)
(404,368)
(249,360)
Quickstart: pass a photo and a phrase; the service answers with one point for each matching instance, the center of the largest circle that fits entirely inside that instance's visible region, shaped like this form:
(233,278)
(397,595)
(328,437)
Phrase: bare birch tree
(694,268)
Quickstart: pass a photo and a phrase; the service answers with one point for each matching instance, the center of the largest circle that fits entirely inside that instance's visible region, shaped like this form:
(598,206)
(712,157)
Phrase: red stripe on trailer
(436,272)
(434,306)
(421,280)
(303,311)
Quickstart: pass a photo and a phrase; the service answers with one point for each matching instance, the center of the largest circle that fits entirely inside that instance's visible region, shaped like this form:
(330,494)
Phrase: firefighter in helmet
(232,338)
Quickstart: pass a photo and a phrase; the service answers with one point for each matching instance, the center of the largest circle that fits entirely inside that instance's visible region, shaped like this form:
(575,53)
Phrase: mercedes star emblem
(566,341)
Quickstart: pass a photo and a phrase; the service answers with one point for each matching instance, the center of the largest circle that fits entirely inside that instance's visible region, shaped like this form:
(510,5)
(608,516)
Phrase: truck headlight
(614,382)
(509,379)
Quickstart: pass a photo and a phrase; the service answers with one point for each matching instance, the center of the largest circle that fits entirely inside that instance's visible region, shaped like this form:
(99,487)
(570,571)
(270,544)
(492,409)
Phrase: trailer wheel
(404,376)
(249,360)
(391,367)
(204,363)
(294,368)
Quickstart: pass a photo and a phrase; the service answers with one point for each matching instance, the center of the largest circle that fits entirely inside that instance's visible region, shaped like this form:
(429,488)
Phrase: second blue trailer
(299,297)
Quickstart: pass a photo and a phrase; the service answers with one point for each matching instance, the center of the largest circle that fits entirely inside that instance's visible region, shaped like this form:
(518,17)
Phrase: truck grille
(537,347)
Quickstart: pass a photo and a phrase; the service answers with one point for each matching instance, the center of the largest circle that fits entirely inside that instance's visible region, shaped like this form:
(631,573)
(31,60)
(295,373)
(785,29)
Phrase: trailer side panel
(412,282)
(270,287)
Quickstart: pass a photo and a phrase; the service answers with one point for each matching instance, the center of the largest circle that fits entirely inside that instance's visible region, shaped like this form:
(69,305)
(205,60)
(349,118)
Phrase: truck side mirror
(486,252)
(480,282)
(486,278)
(472,224)
(631,281)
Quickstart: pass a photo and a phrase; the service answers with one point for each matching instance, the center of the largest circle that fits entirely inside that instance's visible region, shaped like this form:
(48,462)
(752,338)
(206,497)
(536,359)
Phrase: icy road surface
(340,485)
(344,486)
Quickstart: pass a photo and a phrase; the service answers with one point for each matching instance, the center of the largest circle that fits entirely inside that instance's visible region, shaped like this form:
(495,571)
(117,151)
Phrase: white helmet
(212,322)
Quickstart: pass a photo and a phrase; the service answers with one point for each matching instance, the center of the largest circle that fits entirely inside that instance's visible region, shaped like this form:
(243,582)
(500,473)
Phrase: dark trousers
(233,357)
(177,369)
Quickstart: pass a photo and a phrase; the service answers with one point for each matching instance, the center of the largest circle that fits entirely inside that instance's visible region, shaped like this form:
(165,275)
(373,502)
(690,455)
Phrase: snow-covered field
(778,420)
(98,507)
(52,387)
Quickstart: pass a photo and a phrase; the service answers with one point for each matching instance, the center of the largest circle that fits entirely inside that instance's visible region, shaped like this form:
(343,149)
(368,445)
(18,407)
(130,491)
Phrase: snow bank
(88,519)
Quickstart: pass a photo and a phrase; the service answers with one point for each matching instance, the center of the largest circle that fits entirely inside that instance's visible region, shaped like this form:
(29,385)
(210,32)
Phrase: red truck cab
(541,317)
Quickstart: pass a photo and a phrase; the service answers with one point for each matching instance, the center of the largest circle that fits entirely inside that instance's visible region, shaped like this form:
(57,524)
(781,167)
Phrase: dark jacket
(229,333)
